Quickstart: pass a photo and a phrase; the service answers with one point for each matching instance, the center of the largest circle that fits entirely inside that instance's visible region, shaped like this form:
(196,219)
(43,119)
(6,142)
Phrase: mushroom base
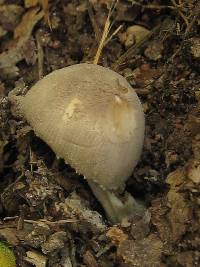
(117,209)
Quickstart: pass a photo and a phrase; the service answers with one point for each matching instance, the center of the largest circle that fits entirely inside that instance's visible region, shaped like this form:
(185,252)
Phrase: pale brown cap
(91,117)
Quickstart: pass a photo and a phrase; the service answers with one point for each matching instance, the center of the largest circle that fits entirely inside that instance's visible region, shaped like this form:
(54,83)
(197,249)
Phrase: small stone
(154,51)
(133,35)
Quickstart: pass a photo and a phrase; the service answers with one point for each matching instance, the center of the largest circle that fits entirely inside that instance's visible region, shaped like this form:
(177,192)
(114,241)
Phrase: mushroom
(91,117)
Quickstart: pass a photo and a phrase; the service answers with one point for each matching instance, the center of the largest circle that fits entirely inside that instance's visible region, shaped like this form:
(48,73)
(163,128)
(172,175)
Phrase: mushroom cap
(91,117)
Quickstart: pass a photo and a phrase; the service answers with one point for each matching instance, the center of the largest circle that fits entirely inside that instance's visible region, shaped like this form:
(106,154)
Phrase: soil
(48,214)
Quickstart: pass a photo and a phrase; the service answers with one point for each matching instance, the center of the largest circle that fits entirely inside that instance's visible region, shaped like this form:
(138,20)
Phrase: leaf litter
(48,213)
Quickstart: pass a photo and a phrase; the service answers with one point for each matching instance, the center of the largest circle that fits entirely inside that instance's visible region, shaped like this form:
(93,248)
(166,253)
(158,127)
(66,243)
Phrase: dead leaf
(193,171)
(84,218)
(45,6)
(55,242)
(116,235)
(175,179)
(10,16)
(10,235)
(180,210)
(140,226)
(25,27)
(89,259)
(141,253)
(31,3)
(159,210)
(177,213)
(36,258)
(15,53)
(145,75)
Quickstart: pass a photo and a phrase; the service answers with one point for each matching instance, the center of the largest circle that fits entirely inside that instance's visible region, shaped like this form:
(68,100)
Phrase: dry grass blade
(103,38)
(113,34)
(107,28)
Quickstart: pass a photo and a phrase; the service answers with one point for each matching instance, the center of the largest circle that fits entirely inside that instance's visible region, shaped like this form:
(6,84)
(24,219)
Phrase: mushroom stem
(117,209)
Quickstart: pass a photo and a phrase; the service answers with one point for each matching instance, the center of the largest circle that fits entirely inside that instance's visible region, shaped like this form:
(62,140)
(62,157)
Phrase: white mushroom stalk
(91,117)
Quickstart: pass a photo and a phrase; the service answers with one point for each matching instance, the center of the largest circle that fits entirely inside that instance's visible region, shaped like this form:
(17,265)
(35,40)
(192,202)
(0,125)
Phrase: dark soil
(48,212)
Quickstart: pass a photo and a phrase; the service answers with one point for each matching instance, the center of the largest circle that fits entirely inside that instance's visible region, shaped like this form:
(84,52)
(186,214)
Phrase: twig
(10,218)
(151,6)
(31,159)
(179,8)
(40,57)
(196,14)
(177,5)
(61,222)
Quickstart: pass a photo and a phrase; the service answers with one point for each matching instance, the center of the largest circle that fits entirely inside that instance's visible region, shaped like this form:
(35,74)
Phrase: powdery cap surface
(91,117)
